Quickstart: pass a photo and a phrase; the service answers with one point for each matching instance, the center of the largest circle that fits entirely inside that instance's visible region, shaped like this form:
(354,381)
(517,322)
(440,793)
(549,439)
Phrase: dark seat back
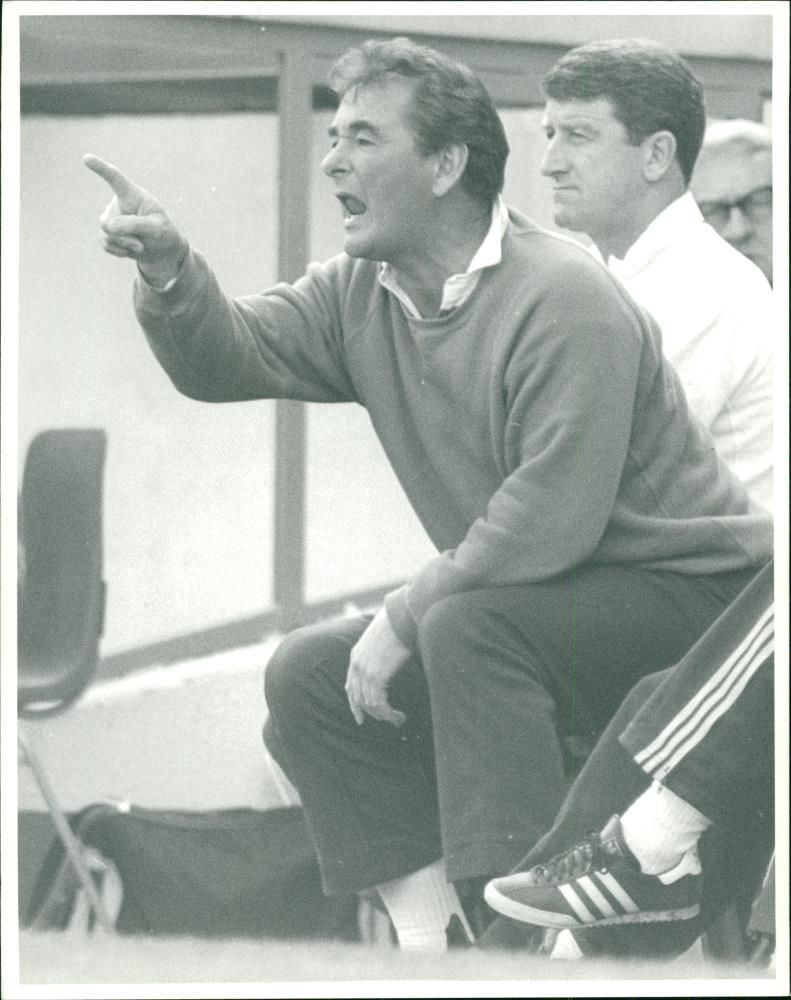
(61,590)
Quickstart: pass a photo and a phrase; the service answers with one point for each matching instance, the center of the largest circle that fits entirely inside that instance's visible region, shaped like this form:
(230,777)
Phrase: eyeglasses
(755,205)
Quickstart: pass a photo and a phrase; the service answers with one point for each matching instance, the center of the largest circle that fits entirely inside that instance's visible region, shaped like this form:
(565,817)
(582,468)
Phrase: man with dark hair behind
(521,396)
(624,121)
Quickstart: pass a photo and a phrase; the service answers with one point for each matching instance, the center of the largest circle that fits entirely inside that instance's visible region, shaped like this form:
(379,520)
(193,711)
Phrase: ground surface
(348,970)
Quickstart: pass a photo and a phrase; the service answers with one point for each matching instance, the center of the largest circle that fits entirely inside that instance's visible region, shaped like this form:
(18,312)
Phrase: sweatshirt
(534,428)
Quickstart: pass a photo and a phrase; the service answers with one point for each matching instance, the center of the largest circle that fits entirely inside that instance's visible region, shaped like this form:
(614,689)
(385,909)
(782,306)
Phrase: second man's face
(734,188)
(382,181)
(596,172)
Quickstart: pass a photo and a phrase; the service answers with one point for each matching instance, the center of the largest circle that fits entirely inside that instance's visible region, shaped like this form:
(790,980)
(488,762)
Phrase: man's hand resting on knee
(375,660)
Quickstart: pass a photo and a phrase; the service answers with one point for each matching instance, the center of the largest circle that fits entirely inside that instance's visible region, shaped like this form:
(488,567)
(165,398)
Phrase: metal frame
(70,842)
(295,102)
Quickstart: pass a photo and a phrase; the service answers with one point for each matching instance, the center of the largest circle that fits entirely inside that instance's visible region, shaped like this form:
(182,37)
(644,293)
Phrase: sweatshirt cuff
(177,295)
(401,619)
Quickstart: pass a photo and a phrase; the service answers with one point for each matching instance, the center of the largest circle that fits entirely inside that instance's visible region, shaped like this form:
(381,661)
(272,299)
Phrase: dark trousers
(705,728)
(477,773)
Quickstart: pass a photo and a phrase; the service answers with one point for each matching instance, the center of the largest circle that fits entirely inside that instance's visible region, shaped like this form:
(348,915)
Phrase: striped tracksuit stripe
(686,729)
(704,727)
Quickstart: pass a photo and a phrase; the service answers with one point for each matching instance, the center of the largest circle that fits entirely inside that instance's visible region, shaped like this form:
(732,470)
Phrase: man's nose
(552,161)
(738,226)
(335,162)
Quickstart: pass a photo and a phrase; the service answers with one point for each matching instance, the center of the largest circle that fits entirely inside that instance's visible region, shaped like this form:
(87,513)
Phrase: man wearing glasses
(732,185)
(624,121)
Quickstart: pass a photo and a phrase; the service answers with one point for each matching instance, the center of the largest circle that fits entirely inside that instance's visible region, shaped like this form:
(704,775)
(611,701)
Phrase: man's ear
(451,163)
(660,153)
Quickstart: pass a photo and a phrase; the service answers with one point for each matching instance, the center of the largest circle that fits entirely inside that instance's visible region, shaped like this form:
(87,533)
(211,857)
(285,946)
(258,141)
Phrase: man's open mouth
(351,205)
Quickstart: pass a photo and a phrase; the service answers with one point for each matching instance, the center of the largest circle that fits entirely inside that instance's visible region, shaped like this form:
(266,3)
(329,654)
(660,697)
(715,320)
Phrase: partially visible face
(596,172)
(383,183)
(726,174)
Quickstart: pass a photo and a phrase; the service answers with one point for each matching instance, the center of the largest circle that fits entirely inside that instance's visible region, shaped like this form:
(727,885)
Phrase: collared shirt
(716,313)
(458,287)
(661,232)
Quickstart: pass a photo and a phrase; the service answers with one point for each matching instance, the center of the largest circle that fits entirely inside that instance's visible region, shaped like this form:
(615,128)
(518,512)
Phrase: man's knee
(641,692)
(297,662)
(463,630)
(452,619)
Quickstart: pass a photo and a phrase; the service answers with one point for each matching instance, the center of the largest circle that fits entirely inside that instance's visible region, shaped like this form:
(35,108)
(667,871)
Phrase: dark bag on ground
(229,873)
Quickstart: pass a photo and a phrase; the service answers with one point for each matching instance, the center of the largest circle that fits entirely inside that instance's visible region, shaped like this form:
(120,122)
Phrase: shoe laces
(579,860)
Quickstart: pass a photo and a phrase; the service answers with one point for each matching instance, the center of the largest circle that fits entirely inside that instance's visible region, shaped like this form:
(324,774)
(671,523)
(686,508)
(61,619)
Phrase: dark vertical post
(295,130)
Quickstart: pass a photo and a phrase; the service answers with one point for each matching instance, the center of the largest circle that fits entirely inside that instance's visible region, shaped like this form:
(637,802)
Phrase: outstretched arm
(285,343)
(135,225)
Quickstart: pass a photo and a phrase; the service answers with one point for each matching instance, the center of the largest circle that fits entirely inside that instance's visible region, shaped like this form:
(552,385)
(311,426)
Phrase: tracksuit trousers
(477,773)
(705,729)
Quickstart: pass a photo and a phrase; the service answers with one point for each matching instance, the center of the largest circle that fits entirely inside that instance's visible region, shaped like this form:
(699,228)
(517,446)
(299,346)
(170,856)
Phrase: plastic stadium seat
(61,595)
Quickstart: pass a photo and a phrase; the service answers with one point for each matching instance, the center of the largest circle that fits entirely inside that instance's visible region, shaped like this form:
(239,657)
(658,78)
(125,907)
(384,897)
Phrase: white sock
(420,905)
(659,828)
(566,947)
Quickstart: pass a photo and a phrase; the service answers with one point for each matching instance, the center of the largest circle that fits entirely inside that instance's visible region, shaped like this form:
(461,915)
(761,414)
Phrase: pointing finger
(128,193)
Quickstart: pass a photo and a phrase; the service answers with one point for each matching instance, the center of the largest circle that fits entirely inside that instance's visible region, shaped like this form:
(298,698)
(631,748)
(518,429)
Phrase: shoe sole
(545,918)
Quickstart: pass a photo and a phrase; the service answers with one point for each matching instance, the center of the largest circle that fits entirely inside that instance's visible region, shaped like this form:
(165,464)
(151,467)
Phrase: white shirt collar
(679,214)
(458,287)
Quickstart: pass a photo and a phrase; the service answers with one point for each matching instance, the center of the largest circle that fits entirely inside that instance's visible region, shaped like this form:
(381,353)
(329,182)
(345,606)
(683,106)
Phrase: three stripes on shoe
(599,898)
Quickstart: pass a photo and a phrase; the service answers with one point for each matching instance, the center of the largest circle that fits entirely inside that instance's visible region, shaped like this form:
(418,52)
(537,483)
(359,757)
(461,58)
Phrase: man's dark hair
(449,105)
(650,87)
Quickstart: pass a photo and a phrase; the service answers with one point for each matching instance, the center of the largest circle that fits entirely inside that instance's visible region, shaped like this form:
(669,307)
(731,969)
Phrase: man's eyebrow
(353,127)
(582,120)
(577,121)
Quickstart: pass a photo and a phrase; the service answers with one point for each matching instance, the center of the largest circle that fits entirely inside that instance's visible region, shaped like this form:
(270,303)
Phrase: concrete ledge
(184,736)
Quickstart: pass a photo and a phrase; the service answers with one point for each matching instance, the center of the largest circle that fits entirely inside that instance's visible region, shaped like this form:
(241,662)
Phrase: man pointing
(523,401)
